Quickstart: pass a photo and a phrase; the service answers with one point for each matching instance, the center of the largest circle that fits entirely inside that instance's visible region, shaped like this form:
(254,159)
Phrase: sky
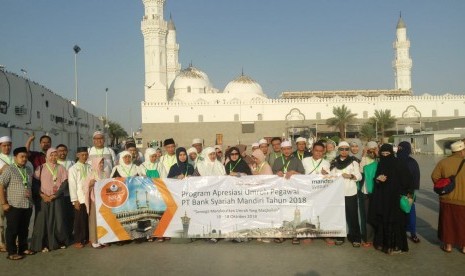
(289,45)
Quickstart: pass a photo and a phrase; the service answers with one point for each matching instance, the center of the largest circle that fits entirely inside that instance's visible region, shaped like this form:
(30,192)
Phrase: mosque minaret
(402,63)
(155,29)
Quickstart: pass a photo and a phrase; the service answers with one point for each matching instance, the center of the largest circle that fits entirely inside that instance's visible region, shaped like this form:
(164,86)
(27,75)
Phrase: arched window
(200,118)
(260,117)
(189,89)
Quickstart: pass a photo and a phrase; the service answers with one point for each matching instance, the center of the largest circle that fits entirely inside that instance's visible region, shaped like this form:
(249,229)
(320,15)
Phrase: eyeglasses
(234,153)
(343,149)
(384,153)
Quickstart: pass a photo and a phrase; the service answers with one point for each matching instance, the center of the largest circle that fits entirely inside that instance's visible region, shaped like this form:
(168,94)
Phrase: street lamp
(76,49)
(106,108)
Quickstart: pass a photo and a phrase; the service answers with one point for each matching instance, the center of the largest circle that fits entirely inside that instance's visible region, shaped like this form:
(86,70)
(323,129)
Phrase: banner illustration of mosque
(220,207)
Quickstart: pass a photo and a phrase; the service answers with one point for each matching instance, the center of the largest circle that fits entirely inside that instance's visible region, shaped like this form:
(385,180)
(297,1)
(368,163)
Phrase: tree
(383,120)
(116,132)
(342,117)
(368,131)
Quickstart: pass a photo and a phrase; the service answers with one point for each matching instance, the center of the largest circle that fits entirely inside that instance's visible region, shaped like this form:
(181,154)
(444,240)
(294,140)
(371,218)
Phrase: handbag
(405,205)
(443,186)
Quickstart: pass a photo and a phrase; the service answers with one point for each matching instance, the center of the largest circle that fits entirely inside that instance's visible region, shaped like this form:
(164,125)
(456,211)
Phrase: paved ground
(225,258)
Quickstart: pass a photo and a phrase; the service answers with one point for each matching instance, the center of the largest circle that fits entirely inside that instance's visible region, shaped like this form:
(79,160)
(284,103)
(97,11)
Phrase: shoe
(213,240)
(78,245)
(367,244)
(266,240)
(236,240)
(14,257)
(356,244)
(63,247)
(394,251)
(28,252)
(307,241)
(45,250)
(414,239)
(295,241)
(339,242)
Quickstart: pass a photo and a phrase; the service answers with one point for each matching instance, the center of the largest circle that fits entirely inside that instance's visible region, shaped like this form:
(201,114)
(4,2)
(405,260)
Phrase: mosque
(183,104)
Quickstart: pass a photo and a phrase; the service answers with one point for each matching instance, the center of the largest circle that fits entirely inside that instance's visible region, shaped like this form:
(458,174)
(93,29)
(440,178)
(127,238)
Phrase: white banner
(221,207)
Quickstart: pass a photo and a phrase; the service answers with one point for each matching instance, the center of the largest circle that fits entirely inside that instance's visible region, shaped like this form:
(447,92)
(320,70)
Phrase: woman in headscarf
(210,166)
(356,150)
(193,156)
(97,173)
(260,166)
(49,228)
(331,153)
(236,166)
(404,150)
(151,167)
(182,168)
(348,167)
(392,180)
(125,167)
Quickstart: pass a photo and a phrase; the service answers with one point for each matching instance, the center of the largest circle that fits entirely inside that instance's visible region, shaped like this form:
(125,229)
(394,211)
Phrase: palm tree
(368,131)
(342,117)
(116,132)
(383,119)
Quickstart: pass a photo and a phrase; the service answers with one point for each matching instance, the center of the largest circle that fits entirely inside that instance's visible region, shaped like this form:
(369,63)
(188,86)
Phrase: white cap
(5,139)
(372,145)
(457,146)
(255,145)
(197,141)
(343,144)
(301,139)
(263,141)
(191,150)
(286,144)
(97,133)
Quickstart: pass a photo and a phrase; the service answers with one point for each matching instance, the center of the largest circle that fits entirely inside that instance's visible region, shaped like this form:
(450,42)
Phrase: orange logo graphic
(114,194)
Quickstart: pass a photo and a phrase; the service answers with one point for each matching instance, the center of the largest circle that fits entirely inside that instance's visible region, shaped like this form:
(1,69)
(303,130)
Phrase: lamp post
(106,108)
(76,49)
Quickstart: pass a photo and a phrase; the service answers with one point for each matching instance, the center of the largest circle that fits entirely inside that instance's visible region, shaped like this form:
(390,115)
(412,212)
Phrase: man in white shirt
(77,176)
(99,150)
(316,164)
(169,158)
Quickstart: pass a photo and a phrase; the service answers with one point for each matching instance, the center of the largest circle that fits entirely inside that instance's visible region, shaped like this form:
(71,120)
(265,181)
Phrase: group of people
(60,191)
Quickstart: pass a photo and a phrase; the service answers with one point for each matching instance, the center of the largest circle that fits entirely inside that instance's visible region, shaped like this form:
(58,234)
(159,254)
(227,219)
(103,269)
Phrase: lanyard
(23,173)
(276,156)
(7,159)
(232,170)
(101,153)
(83,170)
(300,156)
(285,165)
(318,165)
(54,172)
(127,172)
(261,166)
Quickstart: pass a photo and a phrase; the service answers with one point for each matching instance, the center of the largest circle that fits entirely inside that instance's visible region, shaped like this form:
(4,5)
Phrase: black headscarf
(342,164)
(238,166)
(180,167)
(403,154)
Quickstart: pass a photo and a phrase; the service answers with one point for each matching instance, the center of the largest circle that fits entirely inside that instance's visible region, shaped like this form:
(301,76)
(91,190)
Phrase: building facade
(188,106)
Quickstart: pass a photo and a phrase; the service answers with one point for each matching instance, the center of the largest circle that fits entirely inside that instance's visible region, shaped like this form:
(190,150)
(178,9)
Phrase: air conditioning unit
(20,110)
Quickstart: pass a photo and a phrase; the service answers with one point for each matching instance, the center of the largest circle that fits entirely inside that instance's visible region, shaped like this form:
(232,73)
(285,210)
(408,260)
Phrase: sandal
(3,249)
(339,242)
(329,242)
(29,252)
(444,248)
(14,257)
(279,240)
(415,239)
(367,244)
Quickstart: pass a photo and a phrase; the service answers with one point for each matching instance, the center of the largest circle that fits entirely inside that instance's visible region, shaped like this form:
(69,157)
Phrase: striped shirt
(17,192)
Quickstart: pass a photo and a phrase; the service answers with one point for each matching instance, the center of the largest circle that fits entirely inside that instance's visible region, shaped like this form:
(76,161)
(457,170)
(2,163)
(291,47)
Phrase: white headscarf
(208,167)
(124,169)
(147,165)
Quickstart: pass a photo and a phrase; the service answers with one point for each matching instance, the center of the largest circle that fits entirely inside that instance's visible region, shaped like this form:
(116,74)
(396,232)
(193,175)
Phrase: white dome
(244,85)
(191,80)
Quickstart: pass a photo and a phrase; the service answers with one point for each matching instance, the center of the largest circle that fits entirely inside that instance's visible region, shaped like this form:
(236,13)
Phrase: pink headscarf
(263,168)
(94,174)
(49,172)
